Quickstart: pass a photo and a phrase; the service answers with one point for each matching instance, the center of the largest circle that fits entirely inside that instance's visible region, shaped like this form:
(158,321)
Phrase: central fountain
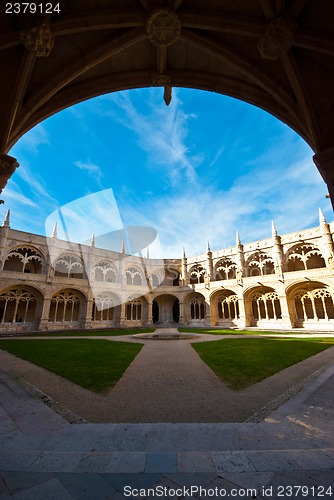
(166,334)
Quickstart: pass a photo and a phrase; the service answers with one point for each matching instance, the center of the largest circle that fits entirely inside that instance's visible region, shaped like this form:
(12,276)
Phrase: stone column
(184,269)
(150,311)
(324,160)
(44,321)
(242,314)
(209,263)
(327,242)
(287,313)
(248,308)
(88,315)
(8,165)
(4,230)
(181,317)
(122,320)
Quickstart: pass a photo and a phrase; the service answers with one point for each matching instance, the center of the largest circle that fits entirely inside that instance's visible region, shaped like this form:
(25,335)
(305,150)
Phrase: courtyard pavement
(288,455)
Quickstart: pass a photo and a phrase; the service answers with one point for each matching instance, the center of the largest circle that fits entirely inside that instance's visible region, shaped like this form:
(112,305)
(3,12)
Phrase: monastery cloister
(281,282)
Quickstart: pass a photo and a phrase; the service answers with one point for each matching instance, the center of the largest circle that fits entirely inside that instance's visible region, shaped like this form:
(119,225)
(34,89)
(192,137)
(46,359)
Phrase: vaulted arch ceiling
(278,55)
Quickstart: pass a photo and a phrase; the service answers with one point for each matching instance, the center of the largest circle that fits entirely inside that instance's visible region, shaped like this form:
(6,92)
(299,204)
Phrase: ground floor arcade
(303,304)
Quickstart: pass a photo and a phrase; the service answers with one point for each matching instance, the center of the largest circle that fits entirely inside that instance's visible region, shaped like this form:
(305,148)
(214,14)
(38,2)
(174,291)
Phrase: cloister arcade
(282,282)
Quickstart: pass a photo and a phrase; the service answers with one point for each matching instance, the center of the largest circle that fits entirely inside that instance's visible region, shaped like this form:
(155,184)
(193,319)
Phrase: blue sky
(197,170)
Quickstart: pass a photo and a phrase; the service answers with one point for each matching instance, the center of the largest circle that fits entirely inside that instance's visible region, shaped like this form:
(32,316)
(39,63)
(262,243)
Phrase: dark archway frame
(278,56)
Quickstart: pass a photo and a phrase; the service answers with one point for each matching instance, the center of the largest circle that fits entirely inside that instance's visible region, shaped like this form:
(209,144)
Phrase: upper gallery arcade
(278,55)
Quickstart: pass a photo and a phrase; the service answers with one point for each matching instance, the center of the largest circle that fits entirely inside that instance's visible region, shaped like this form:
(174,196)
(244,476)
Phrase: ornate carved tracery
(65,307)
(228,307)
(134,276)
(314,304)
(133,310)
(197,274)
(69,266)
(17,306)
(266,306)
(260,264)
(304,256)
(104,271)
(197,307)
(103,309)
(24,260)
(226,269)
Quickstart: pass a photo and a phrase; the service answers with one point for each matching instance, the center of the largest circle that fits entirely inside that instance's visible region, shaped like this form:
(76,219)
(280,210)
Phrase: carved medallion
(38,40)
(163,27)
(277,39)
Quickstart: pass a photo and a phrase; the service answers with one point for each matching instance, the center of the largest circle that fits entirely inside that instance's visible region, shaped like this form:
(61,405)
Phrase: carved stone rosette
(277,38)
(8,165)
(163,27)
(38,40)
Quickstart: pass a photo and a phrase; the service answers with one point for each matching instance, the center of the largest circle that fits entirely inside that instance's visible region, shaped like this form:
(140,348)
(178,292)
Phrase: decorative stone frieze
(277,39)
(38,40)
(163,27)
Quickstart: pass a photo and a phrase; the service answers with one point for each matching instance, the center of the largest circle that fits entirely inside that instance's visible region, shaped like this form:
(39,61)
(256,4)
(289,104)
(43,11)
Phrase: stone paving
(288,455)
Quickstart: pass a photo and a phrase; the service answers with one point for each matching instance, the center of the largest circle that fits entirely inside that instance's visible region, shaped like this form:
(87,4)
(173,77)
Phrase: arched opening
(166,309)
(104,271)
(225,269)
(69,266)
(263,307)
(312,305)
(260,264)
(197,275)
(304,256)
(136,312)
(24,260)
(106,309)
(224,307)
(134,276)
(67,308)
(196,309)
(155,311)
(20,308)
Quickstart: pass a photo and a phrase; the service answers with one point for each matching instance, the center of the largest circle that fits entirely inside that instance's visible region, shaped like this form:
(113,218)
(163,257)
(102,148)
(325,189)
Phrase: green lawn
(221,331)
(243,362)
(94,333)
(94,364)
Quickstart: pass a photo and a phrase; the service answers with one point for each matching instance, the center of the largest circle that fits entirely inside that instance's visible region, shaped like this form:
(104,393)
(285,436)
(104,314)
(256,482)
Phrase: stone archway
(274,55)
(166,309)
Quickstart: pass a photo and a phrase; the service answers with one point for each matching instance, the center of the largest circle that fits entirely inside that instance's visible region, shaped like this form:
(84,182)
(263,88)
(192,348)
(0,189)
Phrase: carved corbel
(8,165)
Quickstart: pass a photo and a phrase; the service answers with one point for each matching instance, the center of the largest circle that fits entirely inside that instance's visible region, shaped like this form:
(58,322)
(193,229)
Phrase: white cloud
(13,196)
(162,135)
(33,139)
(90,167)
(207,213)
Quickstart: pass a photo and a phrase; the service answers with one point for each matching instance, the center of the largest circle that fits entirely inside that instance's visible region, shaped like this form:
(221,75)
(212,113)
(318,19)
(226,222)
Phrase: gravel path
(167,382)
